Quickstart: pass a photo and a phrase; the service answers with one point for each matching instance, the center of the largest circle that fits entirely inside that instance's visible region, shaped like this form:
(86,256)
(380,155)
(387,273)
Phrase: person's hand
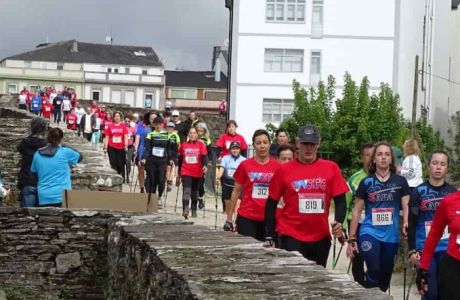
(422,281)
(171,162)
(126,148)
(414,258)
(404,229)
(337,229)
(143,162)
(205,170)
(218,181)
(177,181)
(352,248)
(105,150)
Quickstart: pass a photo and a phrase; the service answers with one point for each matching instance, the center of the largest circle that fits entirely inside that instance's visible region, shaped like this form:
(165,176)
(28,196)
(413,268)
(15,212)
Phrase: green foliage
(357,118)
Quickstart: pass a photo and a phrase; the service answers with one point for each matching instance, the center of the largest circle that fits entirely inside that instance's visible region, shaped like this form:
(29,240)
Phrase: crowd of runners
(280,196)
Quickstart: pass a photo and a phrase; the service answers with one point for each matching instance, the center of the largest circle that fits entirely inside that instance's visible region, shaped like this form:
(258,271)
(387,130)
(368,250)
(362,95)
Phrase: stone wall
(61,254)
(93,173)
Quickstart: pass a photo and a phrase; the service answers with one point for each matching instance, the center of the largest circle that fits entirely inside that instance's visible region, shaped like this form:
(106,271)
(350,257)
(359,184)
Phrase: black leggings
(315,251)
(117,158)
(156,174)
(248,227)
(201,187)
(190,187)
(449,278)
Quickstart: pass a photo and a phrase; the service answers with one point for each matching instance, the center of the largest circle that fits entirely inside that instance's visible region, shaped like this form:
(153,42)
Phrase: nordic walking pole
(334,264)
(333,251)
(177,197)
(349,266)
(411,282)
(404,258)
(216,193)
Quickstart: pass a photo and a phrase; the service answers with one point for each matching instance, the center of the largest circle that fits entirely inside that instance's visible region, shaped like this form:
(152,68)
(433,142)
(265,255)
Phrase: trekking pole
(165,192)
(177,197)
(349,266)
(411,282)
(333,251)
(216,193)
(404,258)
(334,264)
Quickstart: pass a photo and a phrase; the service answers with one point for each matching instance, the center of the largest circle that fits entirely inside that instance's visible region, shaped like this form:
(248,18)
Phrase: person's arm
(352,245)
(270,220)
(405,209)
(147,147)
(236,192)
(219,173)
(413,218)
(106,139)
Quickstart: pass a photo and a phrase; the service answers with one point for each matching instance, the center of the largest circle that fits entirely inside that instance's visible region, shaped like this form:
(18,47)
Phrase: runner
(80,112)
(52,166)
(230,135)
(423,203)
(131,126)
(36,104)
(71,120)
(174,139)
(447,216)
(157,155)
(285,153)
(224,177)
(382,193)
(203,136)
(96,136)
(57,104)
(180,126)
(252,177)
(411,167)
(106,122)
(282,138)
(27,181)
(306,185)
(47,110)
(193,160)
(116,144)
(357,262)
(141,132)
(66,107)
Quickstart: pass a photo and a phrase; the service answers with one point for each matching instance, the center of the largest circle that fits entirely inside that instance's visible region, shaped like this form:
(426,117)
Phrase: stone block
(68,261)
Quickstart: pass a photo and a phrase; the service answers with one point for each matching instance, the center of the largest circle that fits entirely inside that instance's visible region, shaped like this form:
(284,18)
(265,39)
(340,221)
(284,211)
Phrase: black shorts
(248,227)
(315,251)
(226,192)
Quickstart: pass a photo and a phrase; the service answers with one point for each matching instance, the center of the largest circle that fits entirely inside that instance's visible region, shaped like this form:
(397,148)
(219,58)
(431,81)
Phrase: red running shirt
(307,190)
(107,123)
(47,109)
(72,121)
(116,133)
(191,153)
(447,214)
(255,180)
(224,143)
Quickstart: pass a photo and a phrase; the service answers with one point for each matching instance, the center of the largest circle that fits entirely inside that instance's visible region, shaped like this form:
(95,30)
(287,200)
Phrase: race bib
(382,216)
(458,239)
(70,122)
(230,173)
(58,102)
(260,191)
(47,109)
(116,139)
(35,105)
(191,159)
(445,234)
(227,144)
(159,152)
(311,203)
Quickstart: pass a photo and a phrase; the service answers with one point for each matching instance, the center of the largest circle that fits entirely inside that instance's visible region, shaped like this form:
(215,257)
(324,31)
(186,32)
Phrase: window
(144,71)
(12,88)
(317,19)
(215,95)
(28,64)
(127,70)
(109,70)
(60,66)
(183,93)
(283,60)
(276,110)
(148,101)
(315,67)
(33,88)
(96,95)
(115,70)
(285,11)
(44,65)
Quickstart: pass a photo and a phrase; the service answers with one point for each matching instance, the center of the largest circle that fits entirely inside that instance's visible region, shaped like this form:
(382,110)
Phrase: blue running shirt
(382,205)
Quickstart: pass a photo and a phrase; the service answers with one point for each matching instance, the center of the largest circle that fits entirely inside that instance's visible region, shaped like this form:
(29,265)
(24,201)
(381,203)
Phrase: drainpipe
(229,5)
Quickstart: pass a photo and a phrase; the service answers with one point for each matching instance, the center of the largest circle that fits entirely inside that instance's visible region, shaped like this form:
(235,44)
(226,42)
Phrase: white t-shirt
(79,112)
(66,105)
(22,99)
(411,169)
(52,96)
(88,128)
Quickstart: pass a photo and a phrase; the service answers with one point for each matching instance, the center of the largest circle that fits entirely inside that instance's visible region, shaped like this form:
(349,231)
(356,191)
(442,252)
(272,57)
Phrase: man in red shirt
(306,185)
(47,109)
(71,120)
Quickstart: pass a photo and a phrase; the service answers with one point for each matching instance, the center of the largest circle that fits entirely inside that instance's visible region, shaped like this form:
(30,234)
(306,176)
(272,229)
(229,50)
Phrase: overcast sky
(182,32)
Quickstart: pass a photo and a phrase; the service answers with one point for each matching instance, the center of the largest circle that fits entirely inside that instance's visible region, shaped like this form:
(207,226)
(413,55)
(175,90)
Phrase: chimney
(217,71)
(74,46)
(215,56)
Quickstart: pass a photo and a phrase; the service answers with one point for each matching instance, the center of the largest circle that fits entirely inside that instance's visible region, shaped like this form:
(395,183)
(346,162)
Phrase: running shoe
(185,214)
(228,226)
(160,202)
(194,215)
(200,203)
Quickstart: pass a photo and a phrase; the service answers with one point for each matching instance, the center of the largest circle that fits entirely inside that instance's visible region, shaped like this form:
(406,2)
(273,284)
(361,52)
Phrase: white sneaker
(160,202)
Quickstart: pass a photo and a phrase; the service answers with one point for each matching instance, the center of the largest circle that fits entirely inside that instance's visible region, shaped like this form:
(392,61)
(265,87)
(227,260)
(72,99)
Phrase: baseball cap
(309,134)
(175,113)
(170,124)
(234,145)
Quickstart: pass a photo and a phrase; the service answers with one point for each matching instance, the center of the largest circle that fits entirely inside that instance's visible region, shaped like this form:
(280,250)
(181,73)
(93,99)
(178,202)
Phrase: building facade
(107,73)
(274,42)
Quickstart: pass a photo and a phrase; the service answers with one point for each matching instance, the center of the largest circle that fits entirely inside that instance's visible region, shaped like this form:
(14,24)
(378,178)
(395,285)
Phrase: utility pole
(414,103)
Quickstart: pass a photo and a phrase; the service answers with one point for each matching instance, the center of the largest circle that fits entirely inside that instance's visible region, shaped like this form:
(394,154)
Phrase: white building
(102,72)
(276,41)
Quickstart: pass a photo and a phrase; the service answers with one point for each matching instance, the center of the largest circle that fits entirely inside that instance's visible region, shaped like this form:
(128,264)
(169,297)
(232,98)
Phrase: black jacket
(83,121)
(27,149)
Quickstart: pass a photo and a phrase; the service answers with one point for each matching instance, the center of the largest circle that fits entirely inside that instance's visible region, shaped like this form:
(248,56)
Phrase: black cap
(309,134)
(157,120)
(234,145)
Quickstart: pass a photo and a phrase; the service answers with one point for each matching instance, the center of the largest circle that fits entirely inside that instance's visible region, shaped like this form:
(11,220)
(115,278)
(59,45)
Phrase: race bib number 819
(311,203)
